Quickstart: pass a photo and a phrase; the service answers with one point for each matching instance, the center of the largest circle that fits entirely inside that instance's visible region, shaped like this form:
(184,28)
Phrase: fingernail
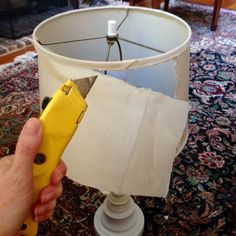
(48,197)
(39,211)
(32,126)
(36,212)
(59,178)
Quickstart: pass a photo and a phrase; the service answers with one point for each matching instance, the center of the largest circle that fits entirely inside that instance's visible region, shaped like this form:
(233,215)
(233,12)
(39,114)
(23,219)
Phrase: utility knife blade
(60,119)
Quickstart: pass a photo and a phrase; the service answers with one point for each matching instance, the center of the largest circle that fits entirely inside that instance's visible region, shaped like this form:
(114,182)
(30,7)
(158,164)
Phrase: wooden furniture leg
(166,5)
(132,2)
(215,15)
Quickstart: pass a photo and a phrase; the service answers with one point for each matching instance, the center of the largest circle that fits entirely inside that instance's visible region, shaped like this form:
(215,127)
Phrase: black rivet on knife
(45,102)
(24,227)
(39,159)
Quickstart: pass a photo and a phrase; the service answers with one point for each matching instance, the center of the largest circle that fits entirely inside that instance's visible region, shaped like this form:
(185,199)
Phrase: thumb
(27,146)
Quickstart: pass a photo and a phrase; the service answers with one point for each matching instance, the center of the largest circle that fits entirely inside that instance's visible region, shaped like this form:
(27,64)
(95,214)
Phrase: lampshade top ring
(153,28)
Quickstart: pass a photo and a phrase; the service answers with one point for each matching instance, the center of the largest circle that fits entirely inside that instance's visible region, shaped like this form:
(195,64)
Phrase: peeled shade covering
(127,140)
(129,137)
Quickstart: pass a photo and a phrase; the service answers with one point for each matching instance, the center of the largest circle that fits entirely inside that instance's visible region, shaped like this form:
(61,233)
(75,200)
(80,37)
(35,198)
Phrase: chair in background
(215,15)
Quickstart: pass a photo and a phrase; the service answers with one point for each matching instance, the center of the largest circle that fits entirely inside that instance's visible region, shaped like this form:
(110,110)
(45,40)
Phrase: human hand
(47,199)
(16,183)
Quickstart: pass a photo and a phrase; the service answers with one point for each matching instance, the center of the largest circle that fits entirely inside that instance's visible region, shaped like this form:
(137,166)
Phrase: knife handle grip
(60,120)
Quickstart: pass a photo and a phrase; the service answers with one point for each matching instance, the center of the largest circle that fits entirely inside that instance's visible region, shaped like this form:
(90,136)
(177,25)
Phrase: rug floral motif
(203,182)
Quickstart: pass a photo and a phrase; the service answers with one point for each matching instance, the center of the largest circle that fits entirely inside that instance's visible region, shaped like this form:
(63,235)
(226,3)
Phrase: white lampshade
(155,51)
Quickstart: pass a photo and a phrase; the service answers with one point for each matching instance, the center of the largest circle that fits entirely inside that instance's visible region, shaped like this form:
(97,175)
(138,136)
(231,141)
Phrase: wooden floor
(10,57)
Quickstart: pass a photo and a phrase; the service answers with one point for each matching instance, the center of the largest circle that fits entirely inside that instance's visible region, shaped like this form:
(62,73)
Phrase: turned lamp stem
(119,216)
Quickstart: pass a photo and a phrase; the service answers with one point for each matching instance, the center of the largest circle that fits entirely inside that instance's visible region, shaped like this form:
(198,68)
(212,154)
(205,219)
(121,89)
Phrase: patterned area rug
(203,181)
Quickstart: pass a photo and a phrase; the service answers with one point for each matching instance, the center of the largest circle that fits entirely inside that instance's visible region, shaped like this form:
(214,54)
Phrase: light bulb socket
(111,39)
(112,36)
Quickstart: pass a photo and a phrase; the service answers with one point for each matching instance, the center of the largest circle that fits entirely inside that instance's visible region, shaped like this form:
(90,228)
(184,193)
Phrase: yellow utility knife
(60,118)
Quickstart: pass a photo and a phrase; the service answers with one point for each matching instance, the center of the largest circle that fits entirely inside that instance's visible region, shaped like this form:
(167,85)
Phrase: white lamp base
(119,216)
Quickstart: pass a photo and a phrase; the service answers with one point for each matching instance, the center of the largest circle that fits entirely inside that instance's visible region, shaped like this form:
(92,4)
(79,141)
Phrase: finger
(50,193)
(43,217)
(27,146)
(44,209)
(58,173)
